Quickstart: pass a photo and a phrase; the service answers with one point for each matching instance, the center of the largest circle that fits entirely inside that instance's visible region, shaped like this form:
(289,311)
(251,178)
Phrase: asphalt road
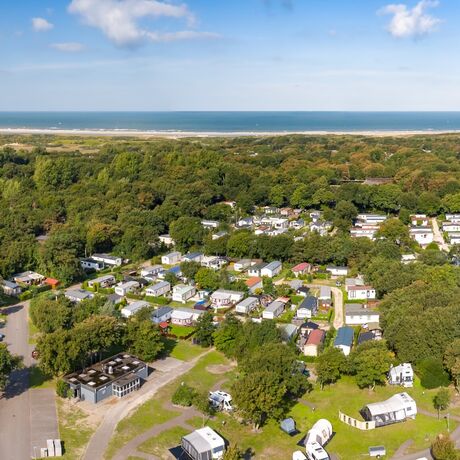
(15,404)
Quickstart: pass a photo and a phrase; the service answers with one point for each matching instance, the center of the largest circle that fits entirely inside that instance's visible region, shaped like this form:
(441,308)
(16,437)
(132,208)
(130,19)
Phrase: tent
(288,426)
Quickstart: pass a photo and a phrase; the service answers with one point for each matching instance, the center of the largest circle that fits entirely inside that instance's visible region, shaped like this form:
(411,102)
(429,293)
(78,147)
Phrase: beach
(182,134)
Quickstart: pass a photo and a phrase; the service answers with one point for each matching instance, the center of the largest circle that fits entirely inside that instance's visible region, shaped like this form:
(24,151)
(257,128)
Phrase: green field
(182,349)
(154,412)
(159,445)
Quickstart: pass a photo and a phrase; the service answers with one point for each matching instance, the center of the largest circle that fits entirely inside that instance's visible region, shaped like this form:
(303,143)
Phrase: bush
(184,395)
(432,373)
(63,389)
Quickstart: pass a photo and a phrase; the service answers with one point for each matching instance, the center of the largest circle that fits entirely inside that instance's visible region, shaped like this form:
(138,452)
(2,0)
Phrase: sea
(233,122)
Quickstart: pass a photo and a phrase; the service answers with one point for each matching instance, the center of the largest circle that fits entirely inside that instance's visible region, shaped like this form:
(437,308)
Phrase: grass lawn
(180,331)
(175,304)
(159,445)
(153,413)
(74,429)
(349,443)
(183,349)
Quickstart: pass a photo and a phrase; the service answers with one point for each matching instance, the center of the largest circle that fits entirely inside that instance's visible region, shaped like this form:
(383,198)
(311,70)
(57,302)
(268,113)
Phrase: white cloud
(119,20)
(411,22)
(68,47)
(41,25)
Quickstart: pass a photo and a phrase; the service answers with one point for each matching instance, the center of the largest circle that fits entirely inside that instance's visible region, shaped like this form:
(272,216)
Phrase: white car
(221,400)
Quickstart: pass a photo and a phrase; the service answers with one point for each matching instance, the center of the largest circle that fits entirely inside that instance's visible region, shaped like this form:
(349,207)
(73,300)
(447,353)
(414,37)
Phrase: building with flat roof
(116,376)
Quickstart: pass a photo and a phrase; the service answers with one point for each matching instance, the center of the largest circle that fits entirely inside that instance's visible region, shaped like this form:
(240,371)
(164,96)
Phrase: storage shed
(288,426)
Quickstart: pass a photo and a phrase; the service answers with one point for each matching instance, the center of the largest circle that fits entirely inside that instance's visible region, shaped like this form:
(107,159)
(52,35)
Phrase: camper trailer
(221,400)
(317,437)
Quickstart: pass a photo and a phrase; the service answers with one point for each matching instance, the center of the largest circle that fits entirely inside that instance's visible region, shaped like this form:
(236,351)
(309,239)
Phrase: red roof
(301,267)
(316,337)
(51,281)
(164,325)
(253,281)
(360,288)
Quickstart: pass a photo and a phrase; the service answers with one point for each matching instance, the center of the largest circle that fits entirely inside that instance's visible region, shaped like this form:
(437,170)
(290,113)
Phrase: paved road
(15,405)
(338,303)
(100,439)
(438,236)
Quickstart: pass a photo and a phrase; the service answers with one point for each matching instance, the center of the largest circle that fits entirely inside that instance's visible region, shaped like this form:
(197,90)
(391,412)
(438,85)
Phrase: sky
(157,55)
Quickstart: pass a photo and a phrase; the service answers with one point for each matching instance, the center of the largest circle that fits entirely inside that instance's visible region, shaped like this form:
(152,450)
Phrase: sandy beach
(182,134)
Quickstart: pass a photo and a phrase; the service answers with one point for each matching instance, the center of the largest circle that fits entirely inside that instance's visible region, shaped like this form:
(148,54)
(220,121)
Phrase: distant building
(78,295)
(92,264)
(126,288)
(158,289)
(185,316)
(11,289)
(337,271)
(28,278)
(166,240)
(183,292)
(361,292)
(103,281)
(225,298)
(422,235)
(271,270)
(107,259)
(247,305)
(301,269)
(172,258)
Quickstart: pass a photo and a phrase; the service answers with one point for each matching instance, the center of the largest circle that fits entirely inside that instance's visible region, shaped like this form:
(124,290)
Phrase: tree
(143,339)
(187,232)
(63,389)
(232,453)
(201,403)
(227,334)
(370,363)
(259,396)
(329,366)
(8,364)
(206,278)
(452,361)
(190,269)
(395,231)
(443,448)
(49,315)
(441,400)
(205,328)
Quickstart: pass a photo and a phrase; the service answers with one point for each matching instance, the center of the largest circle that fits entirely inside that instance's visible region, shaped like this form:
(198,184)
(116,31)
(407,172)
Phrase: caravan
(221,400)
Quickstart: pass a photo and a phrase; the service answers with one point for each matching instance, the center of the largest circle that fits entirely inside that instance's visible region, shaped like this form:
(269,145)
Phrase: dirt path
(100,439)
(338,304)
(438,236)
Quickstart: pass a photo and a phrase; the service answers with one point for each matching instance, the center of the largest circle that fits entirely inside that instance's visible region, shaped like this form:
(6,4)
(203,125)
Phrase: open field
(158,409)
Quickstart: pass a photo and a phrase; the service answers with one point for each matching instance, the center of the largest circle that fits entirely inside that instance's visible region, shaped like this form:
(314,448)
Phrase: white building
(210,223)
(224,298)
(273,310)
(423,235)
(103,281)
(158,289)
(107,259)
(185,316)
(365,231)
(370,219)
(151,273)
(172,258)
(337,271)
(126,288)
(357,315)
(166,240)
(272,269)
(450,227)
(361,292)
(78,295)
(247,305)
(454,218)
(133,308)
(193,257)
(92,264)
(403,375)
(183,292)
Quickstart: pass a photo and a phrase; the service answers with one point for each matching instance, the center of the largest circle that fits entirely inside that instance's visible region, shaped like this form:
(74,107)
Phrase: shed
(377,451)
(288,426)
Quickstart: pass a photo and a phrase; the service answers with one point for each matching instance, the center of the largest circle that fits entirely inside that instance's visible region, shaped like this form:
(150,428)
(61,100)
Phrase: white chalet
(183,292)
(172,258)
(403,375)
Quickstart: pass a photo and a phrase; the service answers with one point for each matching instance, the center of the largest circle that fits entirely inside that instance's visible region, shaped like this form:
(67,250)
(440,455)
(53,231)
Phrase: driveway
(438,236)
(338,303)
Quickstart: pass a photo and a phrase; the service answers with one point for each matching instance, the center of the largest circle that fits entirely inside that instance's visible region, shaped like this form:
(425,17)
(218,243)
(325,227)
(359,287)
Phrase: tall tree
(441,400)
(143,339)
(329,366)
(205,328)
(8,364)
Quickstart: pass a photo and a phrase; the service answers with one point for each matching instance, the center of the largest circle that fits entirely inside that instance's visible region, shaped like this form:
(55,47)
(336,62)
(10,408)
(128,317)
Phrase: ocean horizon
(233,121)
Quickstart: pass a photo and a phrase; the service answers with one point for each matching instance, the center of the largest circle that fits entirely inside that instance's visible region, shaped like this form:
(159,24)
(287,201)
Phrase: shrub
(184,395)
(63,389)
(432,373)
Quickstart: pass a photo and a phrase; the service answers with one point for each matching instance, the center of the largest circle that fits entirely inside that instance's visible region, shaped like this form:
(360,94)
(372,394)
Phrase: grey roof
(79,294)
(10,284)
(358,309)
(274,306)
(198,442)
(159,285)
(310,303)
(344,336)
(114,298)
(273,265)
(161,312)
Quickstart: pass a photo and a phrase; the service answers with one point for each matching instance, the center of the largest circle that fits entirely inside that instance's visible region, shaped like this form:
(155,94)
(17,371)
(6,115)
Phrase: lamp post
(447,417)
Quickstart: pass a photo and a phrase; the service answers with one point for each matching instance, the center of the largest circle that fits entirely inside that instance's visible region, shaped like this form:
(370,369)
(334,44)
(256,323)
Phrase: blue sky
(229,55)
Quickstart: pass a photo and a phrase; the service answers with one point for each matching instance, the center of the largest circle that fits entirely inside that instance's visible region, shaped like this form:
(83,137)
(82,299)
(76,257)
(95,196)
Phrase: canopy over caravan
(395,409)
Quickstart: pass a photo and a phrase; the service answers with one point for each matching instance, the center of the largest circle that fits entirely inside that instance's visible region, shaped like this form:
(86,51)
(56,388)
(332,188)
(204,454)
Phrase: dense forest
(119,195)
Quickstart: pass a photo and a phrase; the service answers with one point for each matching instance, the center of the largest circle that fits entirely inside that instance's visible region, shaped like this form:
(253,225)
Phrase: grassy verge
(160,445)
(182,349)
(180,331)
(154,412)
(33,333)
(74,429)
(37,379)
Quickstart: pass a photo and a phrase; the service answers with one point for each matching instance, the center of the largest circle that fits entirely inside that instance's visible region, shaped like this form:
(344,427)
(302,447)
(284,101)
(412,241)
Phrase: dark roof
(365,337)
(310,303)
(344,336)
(303,289)
(309,325)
